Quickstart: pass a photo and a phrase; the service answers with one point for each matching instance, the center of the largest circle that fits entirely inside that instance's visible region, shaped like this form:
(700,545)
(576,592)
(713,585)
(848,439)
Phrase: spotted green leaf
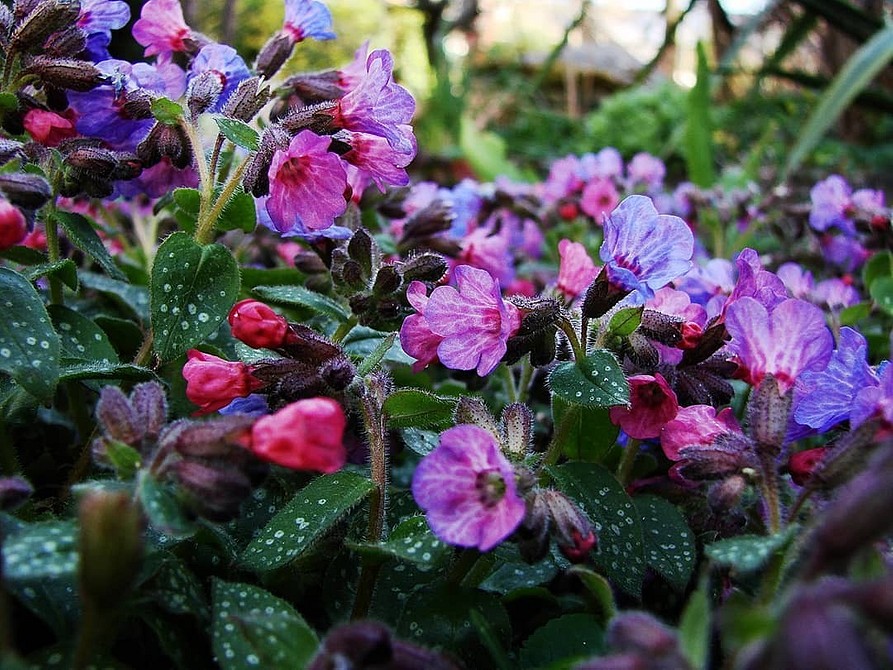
(309,515)
(298,296)
(81,338)
(191,290)
(621,550)
(412,541)
(164,511)
(87,370)
(41,551)
(572,636)
(408,408)
(595,381)
(83,235)
(29,347)
(669,542)
(254,629)
(134,298)
(747,553)
(238,132)
(588,434)
(63,269)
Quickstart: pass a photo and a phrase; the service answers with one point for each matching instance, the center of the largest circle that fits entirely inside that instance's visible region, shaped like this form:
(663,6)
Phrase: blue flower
(226,63)
(307,18)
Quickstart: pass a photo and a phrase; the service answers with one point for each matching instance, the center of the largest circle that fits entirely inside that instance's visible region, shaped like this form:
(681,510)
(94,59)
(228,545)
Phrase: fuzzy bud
(601,296)
(204,90)
(117,417)
(165,141)
(256,180)
(13,492)
(257,325)
(802,464)
(474,411)
(214,493)
(638,631)
(362,249)
(68,42)
(67,73)
(29,191)
(517,424)
(536,334)
(13,227)
(723,496)
(137,105)
(387,280)
(45,18)
(660,327)
(9,149)
(768,413)
(424,267)
(212,383)
(220,438)
(430,220)
(273,54)
(92,160)
(572,530)
(532,536)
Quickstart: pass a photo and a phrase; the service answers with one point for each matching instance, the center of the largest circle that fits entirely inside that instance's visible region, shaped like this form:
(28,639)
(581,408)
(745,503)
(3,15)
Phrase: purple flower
(847,253)
(224,62)
(606,164)
(467,489)
(376,159)
(307,18)
(466,204)
(756,282)
(797,281)
(488,248)
(576,271)
(831,205)
(647,170)
(378,105)
(563,180)
(823,399)
(875,400)
(254,404)
(307,184)
(98,19)
(644,250)
(599,198)
(416,336)
(299,230)
(161,178)
(161,27)
(784,342)
(836,293)
(474,322)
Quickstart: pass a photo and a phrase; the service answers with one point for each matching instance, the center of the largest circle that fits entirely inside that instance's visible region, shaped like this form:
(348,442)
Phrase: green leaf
(41,551)
(595,381)
(698,147)
(187,202)
(363,342)
(669,542)
(422,442)
(412,541)
(238,132)
(239,213)
(177,589)
(89,370)
(486,152)
(413,408)
(163,509)
(854,77)
(8,102)
(600,593)
(252,277)
(851,315)
(310,514)
(64,269)
(621,551)
(298,296)
(588,434)
(694,628)
(192,289)
(625,321)
(80,337)
(879,265)
(747,553)
(81,233)
(29,347)
(370,362)
(254,629)
(882,293)
(510,577)
(569,637)
(134,298)
(24,255)
(124,459)
(167,111)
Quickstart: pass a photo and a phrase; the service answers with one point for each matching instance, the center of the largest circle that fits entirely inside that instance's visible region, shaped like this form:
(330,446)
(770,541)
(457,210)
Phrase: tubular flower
(576,271)
(161,28)
(212,383)
(467,489)
(652,404)
(307,18)
(223,62)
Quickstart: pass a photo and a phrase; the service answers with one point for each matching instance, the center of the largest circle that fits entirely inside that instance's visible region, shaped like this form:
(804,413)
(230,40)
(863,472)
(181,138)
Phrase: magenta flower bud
(212,383)
(652,404)
(572,530)
(257,325)
(273,54)
(696,426)
(48,128)
(802,464)
(13,227)
(305,435)
(576,271)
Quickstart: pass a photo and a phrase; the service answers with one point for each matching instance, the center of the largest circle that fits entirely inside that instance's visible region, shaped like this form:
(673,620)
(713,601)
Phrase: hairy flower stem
(625,468)
(205,178)
(205,227)
(215,154)
(553,453)
(52,232)
(527,371)
(769,491)
(568,328)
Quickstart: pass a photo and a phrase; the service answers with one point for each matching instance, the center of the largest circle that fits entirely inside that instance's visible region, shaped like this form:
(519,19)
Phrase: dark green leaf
(882,293)
(192,289)
(621,552)
(310,514)
(599,592)
(187,202)
(72,370)
(254,629)
(694,628)
(588,434)
(63,269)
(625,321)
(24,255)
(8,102)
(167,111)
(747,553)
(135,298)
(41,551)
(80,337)
(29,347)
(363,342)
(410,541)
(510,577)
(669,542)
(422,442)
(238,132)
(252,277)
(879,265)
(298,296)
(595,381)
(163,509)
(572,636)
(370,362)
(239,213)
(81,233)
(698,140)
(854,313)
(413,408)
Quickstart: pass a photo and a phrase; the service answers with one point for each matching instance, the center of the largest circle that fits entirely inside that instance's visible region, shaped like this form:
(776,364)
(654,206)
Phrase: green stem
(568,328)
(145,352)
(8,67)
(508,380)
(553,452)
(769,490)
(527,370)
(205,178)
(625,467)
(52,233)
(215,154)
(205,227)
(343,329)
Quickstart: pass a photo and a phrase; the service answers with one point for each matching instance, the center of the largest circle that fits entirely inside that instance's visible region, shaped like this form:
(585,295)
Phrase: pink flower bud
(212,383)
(49,128)
(305,435)
(12,225)
(258,326)
(802,464)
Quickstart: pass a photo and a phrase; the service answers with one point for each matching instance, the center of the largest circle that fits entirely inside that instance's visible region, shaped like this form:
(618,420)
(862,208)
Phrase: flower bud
(424,267)
(362,249)
(710,341)
(92,160)
(212,383)
(137,105)
(13,227)
(204,90)
(387,280)
(305,435)
(48,128)
(430,220)
(532,536)
(572,530)
(257,325)
(218,438)
(723,496)
(638,631)
(660,327)
(601,296)
(165,141)
(517,423)
(474,411)
(117,417)
(273,54)
(215,493)
(247,100)
(45,18)
(110,548)
(256,180)
(728,454)
(68,42)
(67,73)
(536,334)
(9,149)
(29,191)
(802,464)
(767,413)
(13,492)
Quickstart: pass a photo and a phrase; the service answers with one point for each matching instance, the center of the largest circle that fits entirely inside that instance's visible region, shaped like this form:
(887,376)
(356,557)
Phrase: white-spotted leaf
(41,551)
(595,381)
(669,542)
(747,553)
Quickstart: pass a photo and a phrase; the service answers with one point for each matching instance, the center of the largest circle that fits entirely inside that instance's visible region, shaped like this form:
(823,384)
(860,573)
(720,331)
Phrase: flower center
(490,487)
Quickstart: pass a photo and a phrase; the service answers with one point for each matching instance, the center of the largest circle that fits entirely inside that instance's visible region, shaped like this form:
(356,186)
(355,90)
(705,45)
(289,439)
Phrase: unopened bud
(150,404)
(474,411)
(387,280)
(45,18)
(846,456)
(93,160)
(430,220)
(117,417)
(212,383)
(725,495)
(767,413)
(350,274)
(137,105)
(536,334)
(214,493)
(29,191)
(424,267)
(517,424)
(13,227)
(110,548)
(67,73)
(532,536)
(247,100)
(314,87)
(710,341)
(572,530)
(256,180)
(257,325)
(204,90)
(165,141)
(68,42)
(660,327)
(14,491)
(601,296)
(9,149)
(309,263)
(802,464)
(728,454)
(361,248)
(639,631)
(273,54)
(216,438)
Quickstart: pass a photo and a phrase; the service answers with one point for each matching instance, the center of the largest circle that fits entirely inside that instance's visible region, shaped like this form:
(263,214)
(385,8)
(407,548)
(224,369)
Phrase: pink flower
(576,271)
(415,334)
(802,464)
(257,325)
(696,426)
(13,227)
(212,383)
(599,198)
(305,435)
(488,250)
(783,343)
(652,404)
(467,489)
(161,27)
(307,184)
(49,128)
(376,159)
(474,321)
